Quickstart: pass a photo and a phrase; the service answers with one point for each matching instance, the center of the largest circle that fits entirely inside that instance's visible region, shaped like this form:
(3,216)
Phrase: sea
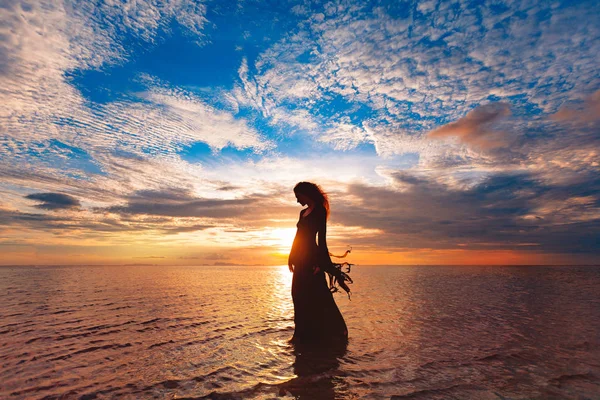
(208,332)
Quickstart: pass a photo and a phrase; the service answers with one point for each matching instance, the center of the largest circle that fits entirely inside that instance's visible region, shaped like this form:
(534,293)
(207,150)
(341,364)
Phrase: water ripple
(208,333)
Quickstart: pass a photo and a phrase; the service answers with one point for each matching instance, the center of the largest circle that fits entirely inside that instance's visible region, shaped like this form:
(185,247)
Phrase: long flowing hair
(315,193)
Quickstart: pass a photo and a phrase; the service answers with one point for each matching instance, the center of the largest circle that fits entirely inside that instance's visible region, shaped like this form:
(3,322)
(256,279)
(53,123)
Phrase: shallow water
(208,332)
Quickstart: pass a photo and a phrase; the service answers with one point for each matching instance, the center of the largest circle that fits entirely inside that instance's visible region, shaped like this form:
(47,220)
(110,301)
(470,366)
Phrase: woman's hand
(290,265)
(343,285)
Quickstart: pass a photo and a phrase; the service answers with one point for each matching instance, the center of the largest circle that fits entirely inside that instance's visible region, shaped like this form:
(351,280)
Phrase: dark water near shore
(208,332)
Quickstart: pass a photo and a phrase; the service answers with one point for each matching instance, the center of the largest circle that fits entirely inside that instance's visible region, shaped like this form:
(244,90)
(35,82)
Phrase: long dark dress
(316,316)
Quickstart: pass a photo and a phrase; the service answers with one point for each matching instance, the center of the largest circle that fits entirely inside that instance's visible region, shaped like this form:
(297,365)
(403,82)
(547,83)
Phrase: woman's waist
(311,256)
(304,255)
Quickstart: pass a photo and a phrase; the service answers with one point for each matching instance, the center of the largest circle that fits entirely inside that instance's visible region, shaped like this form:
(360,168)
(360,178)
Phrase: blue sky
(444,131)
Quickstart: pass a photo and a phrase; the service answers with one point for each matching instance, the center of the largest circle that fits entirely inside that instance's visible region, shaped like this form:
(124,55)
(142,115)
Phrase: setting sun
(283,239)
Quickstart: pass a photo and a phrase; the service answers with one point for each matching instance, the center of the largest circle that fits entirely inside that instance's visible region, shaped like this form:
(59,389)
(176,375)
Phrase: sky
(173,132)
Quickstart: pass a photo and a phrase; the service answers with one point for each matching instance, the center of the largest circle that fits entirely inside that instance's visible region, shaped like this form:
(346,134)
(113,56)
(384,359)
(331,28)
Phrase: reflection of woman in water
(316,316)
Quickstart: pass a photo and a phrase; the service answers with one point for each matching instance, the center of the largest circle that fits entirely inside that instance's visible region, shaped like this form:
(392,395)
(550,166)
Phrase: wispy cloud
(42,41)
(54,139)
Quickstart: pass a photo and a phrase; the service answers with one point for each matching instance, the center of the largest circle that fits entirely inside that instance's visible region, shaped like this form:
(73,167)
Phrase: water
(208,332)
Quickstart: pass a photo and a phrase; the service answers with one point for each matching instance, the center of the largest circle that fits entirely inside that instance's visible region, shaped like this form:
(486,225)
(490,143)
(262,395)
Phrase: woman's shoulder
(320,212)
(303,214)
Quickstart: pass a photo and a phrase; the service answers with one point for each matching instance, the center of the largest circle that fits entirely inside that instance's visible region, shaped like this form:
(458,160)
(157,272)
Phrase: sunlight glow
(283,239)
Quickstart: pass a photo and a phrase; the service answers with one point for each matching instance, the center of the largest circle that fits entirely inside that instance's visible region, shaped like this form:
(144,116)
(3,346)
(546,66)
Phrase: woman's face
(302,199)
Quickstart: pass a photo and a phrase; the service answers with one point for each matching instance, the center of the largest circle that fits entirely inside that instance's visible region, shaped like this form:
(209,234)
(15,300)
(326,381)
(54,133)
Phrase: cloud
(150,257)
(503,210)
(416,67)
(42,41)
(588,113)
(157,197)
(161,121)
(475,128)
(344,135)
(49,129)
(216,256)
(34,223)
(182,118)
(182,203)
(54,139)
(91,227)
(54,201)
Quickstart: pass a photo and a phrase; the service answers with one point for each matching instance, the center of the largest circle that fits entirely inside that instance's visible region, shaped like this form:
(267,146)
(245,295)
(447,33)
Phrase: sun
(283,238)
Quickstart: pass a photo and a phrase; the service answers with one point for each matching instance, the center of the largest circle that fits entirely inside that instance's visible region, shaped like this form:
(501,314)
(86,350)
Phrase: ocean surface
(221,333)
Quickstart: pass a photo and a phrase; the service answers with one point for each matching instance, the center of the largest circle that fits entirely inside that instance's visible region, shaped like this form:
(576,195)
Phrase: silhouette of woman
(316,316)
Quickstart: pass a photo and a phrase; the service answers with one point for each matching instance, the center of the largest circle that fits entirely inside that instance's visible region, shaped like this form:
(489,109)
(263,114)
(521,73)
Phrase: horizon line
(284,265)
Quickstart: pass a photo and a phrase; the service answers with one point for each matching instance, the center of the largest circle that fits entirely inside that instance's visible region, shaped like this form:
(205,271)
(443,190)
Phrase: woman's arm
(324,258)
(291,256)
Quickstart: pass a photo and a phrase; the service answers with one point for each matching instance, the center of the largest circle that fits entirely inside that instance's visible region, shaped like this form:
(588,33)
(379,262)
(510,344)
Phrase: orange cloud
(474,129)
(589,112)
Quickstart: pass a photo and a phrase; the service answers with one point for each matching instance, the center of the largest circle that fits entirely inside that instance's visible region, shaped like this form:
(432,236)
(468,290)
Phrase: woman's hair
(314,192)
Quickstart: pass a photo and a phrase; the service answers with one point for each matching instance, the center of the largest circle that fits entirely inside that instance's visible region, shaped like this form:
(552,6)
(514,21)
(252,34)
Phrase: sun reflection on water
(281,312)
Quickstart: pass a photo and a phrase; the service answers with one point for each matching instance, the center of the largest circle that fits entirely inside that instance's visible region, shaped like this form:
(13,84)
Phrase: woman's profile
(316,316)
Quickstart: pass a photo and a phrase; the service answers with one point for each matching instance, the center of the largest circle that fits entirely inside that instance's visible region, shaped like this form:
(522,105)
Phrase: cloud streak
(54,201)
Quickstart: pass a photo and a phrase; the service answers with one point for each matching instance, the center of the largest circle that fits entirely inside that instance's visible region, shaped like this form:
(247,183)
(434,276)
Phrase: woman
(316,316)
